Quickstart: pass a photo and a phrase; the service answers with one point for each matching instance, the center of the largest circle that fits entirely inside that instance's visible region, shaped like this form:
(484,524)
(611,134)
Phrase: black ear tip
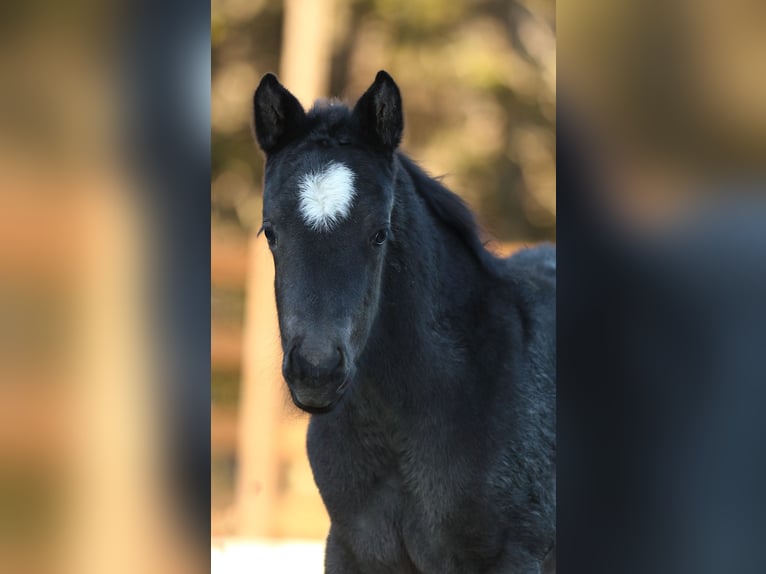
(383,76)
(269,81)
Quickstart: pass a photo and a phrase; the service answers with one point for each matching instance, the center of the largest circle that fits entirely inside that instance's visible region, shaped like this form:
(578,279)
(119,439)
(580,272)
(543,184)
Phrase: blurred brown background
(84,465)
(478,82)
(669,99)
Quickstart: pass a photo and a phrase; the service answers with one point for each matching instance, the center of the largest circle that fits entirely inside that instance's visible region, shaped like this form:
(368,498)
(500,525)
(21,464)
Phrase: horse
(426,362)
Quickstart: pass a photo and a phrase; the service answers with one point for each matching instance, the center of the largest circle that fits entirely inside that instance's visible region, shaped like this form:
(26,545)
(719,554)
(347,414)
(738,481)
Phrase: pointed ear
(277,114)
(379,113)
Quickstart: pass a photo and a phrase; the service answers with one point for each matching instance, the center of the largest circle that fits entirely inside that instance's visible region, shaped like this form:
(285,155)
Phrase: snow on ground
(240,556)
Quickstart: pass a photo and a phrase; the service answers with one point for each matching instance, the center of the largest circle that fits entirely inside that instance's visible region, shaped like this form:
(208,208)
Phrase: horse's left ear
(379,113)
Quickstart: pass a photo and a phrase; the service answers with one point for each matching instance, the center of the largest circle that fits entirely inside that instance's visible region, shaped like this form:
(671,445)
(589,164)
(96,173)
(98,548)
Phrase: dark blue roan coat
(427,363)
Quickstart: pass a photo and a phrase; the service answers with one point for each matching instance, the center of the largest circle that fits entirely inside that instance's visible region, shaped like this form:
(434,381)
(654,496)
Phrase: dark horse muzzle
(316,373)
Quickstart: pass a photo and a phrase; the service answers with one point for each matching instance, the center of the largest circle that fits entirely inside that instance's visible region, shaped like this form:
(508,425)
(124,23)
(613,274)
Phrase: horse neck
(434,252)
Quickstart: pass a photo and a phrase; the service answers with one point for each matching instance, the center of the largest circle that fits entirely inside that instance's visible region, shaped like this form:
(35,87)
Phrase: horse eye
(270,235)
(380,237)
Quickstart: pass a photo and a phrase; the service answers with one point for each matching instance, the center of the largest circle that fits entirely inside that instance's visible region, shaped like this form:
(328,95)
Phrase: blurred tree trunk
(307,48)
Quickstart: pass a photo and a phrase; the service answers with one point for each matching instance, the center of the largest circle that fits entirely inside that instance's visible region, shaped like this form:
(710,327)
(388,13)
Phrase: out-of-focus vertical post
(307,48)
(259,399)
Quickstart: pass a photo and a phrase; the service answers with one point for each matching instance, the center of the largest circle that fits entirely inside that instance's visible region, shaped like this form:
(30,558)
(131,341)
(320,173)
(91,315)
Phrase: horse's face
(327,222)
(327,204)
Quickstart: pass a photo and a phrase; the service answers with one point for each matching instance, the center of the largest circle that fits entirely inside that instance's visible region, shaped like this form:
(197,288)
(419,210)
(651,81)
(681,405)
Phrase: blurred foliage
(477,77)
(225,388)
(227,305)
(30,504)
(679,85)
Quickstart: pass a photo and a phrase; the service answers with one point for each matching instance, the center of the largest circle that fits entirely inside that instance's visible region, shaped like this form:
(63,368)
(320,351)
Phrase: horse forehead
(326,194)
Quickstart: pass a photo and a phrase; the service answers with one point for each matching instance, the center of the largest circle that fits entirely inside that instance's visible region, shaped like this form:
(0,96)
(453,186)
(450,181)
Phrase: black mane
(451,210)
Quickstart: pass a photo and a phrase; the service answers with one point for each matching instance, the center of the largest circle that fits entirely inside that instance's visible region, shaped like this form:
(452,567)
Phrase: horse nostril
(289,362)
(341,364)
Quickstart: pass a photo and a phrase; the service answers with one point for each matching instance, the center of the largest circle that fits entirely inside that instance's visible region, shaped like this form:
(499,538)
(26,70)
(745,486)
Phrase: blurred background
(478,81)
(661,277)
(668,99)
(104,324)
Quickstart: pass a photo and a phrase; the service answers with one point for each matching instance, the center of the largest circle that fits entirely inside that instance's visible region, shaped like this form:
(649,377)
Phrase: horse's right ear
(277,113)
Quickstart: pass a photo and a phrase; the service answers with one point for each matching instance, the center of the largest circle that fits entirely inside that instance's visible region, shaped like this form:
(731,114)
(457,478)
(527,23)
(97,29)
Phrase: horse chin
(314,410)
(317,403)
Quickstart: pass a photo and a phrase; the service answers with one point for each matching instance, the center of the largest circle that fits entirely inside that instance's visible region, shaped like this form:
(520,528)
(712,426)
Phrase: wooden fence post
(260,399)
